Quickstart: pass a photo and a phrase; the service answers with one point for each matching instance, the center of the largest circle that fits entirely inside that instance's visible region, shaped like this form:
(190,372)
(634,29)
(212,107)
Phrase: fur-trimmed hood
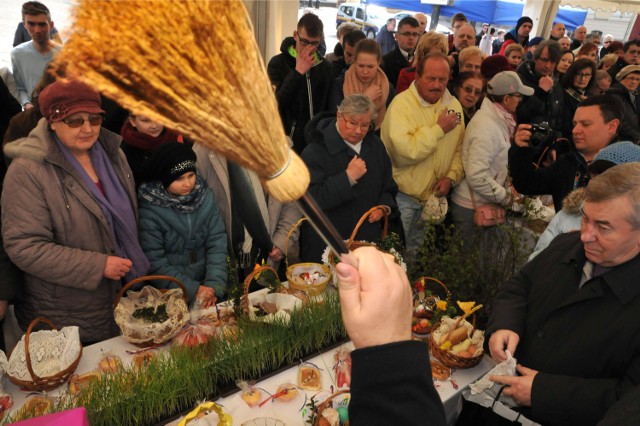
(572,202)
(39,145)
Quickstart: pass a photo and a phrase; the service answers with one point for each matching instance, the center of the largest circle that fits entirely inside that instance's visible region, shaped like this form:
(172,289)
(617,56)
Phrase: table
(289,412)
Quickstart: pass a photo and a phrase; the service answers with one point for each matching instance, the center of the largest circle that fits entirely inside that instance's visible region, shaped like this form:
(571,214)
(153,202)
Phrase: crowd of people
(95,196)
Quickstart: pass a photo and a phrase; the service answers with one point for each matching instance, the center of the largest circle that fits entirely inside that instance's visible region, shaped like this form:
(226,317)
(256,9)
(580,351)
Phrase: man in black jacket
(401,57)
(596,123)
(546,104)
(631,56)
(570,315)
(301,77)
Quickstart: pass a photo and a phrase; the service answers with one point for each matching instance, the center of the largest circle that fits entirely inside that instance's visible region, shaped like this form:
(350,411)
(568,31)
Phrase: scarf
(156,194)
(575,94)
(353,85)
(115,205)
(145,142)
(506,116)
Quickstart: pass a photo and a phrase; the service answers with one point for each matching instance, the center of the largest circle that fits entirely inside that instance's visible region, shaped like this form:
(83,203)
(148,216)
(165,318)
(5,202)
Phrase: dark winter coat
(584,342)
(392,385)
(299,96)
(567,173)
(629,129)
(189,246)
(392,63)
(541,106)
(327,157)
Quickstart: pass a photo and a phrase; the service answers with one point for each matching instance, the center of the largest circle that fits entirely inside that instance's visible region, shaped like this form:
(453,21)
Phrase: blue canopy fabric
(496,12)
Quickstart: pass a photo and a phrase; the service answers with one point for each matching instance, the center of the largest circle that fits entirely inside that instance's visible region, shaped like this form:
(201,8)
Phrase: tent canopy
(496,12)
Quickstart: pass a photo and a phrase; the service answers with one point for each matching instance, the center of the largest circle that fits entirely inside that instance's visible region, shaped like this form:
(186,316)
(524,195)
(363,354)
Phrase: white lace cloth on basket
(51,352)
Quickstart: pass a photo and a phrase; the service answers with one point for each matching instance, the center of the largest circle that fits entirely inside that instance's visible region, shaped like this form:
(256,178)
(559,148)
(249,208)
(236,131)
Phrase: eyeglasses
(305,42)
(408,34)
(632,79)
(633,52)
(74,123)
(515,95)
(351,125)
(584,75)
(469,90)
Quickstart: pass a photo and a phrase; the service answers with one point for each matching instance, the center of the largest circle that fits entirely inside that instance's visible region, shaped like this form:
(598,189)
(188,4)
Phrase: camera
(541,136)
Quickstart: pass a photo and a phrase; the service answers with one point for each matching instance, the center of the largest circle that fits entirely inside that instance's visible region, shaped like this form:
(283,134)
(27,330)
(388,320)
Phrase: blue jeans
(410,212)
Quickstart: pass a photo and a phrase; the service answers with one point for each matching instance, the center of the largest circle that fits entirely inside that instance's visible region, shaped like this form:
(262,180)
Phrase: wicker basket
(244,300)
(326,404)
(429,302)
(139,280)
(352,244)
(294,283)
(451,360)
(43,383)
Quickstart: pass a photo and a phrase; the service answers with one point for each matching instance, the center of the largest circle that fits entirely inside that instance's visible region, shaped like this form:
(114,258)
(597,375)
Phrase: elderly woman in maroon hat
(69,214)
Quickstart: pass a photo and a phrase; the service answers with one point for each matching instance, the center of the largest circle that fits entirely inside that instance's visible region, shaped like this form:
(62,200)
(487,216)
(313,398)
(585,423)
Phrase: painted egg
(344,414)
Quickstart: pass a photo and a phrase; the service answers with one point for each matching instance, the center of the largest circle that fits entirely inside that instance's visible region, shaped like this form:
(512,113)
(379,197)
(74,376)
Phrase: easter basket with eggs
(309,277)
(456,342)
(431,300)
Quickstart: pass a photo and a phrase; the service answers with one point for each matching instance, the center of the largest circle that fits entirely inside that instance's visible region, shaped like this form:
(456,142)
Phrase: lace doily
(51,352)
(140,331)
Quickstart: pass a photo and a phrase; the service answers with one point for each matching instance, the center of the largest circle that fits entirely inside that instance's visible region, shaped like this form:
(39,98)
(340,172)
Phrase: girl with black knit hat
(519,34)
(181,230)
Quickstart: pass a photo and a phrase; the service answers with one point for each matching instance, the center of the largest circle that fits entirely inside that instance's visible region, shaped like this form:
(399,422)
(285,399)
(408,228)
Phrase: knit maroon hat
(61,99)
(494,64)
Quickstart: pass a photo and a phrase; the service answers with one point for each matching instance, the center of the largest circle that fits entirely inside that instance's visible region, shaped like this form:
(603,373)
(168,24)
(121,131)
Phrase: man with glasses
(30,58)
(546,104)
(631,56)
(350,173)
(595,124)
(625,89)
(422,131)
(301,77)
(407,37)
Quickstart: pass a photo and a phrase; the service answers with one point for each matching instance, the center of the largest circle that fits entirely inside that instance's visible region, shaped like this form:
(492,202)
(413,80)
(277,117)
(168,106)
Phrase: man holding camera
(595,123)
(546,104)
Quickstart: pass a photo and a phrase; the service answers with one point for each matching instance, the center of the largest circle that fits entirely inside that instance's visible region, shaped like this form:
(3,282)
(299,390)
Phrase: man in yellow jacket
(422,132)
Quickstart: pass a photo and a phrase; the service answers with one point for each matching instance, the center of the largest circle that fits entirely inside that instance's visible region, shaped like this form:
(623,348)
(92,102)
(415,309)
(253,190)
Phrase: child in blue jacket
(181,230)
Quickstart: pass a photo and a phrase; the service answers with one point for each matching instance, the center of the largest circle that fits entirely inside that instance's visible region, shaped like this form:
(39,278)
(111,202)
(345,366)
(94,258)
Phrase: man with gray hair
(570,316)
(350,174)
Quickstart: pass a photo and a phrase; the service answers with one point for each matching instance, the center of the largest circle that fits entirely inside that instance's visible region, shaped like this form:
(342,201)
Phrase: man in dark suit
(401,57)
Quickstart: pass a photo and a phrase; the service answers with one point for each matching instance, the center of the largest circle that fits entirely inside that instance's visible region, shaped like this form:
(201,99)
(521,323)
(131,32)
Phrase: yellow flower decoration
(442,305)
(468,307)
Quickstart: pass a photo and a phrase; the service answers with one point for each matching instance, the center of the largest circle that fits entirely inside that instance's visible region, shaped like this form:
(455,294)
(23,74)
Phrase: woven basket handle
(320,407)
(150,278)
(365,216)
(27,336)
(244,300)
(289,234)
(437,281)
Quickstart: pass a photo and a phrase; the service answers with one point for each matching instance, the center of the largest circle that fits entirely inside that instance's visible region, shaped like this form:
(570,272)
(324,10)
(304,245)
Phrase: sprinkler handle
(325,228)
